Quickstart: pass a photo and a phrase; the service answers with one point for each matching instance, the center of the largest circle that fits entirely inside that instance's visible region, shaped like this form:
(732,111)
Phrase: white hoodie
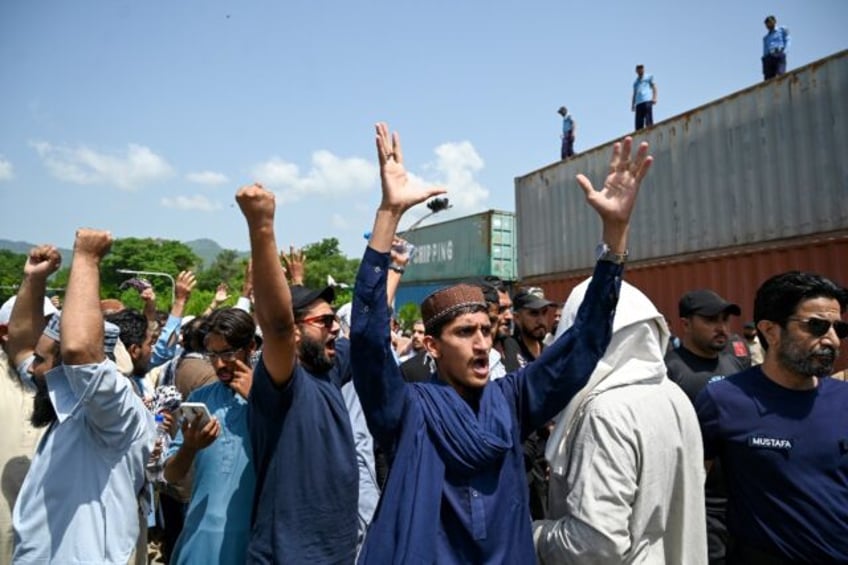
(627,474)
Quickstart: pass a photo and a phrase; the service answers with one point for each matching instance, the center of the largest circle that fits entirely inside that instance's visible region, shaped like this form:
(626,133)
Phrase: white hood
(635,354)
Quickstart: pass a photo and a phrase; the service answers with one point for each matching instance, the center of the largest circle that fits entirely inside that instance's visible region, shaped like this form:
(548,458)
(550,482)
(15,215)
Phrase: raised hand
(614,202)
(42,261)
(185,283)
(148,295)
(247,284)
(398,193)
(257,205)
(94,243)
(221,293)
(294,264)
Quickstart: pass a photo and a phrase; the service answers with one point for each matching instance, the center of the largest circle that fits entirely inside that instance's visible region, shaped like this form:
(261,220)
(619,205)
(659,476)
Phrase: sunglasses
(225,356)
(817,327)
(325,321)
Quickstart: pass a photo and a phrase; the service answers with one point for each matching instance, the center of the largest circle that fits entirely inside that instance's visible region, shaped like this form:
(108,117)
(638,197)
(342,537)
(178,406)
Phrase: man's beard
(43,413)
(537,333)
(816,363)
(311,353)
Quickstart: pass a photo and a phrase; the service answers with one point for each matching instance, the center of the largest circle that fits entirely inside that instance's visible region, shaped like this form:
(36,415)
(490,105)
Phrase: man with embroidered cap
(78,503)
(781,429)
(456,490)
(775,46)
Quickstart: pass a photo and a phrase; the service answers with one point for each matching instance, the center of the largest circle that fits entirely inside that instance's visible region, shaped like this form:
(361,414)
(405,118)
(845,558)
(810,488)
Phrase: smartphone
(196,413)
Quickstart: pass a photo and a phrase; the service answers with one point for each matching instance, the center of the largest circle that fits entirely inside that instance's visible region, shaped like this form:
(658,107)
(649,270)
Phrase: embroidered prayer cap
(442,303)
(111,333)
(6,310)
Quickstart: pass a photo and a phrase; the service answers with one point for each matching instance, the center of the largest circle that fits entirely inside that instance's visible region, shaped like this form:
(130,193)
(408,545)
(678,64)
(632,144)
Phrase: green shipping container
(464,248)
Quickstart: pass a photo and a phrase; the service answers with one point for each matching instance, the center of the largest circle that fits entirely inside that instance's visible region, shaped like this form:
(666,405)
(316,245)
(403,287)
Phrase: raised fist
(257,205)
(93,242)
(43,261)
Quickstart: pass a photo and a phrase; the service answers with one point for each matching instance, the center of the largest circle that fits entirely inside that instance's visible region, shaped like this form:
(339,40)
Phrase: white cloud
(457,162)
(207,177)
(5,169)
(329,176)
(339,222)
(81,165)
(196,202)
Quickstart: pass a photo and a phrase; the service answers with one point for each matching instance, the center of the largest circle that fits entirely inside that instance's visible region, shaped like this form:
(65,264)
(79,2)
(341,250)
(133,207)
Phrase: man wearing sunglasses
(781,429)
(322,351)
(305,508)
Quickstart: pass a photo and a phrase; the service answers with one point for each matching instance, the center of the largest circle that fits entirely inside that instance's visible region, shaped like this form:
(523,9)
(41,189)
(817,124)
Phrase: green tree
(228,267)
(153,255)
(325,258)
(407,315)
(11,272)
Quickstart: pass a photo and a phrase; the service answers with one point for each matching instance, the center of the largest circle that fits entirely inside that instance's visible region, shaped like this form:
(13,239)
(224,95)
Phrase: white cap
(6,310)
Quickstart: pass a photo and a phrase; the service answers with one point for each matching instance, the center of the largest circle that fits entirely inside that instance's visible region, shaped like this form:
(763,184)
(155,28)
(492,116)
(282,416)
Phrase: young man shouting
(456,490)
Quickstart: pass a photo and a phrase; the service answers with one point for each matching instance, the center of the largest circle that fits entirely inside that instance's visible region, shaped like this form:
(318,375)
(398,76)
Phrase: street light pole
(154,274)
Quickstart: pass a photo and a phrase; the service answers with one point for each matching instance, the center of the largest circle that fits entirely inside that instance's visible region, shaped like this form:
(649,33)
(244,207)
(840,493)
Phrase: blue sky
(145,117)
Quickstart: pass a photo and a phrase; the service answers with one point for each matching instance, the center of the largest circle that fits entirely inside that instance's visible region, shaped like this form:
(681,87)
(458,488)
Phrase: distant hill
(206,249)
(23,248)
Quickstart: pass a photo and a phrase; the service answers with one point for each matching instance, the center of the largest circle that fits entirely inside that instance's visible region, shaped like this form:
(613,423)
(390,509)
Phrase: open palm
(615,201)
(398,192)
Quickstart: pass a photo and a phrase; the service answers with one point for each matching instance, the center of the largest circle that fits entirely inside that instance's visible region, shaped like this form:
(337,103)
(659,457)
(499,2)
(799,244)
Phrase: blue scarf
(454,438)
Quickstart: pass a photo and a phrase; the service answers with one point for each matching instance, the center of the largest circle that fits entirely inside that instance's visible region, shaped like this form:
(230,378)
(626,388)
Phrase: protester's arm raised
(82,322)
(564,367)
(399,195)
(615,201)
(271,296)
(375,373)
(26,321)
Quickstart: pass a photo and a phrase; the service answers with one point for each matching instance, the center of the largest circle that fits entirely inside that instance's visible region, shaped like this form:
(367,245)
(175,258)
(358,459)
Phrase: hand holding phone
(199,428)
(195,413)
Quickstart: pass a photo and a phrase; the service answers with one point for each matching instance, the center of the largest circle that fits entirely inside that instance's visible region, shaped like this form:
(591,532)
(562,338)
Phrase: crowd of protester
(506,428)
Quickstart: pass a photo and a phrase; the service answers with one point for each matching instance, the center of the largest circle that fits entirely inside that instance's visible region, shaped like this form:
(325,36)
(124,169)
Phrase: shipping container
(766,163)
(417,292)
(734,273)
(472,246)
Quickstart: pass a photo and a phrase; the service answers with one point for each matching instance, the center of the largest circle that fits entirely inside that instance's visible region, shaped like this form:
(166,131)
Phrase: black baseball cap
(525,299)
(705,302)
(303,297)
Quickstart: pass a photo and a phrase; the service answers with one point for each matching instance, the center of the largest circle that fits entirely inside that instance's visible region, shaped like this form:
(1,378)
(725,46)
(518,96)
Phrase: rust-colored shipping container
(735,273)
